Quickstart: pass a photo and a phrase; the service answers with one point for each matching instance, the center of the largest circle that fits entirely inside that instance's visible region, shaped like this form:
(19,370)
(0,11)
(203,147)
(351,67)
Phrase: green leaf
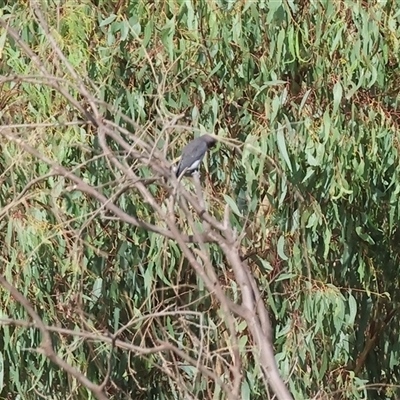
(232,205)
(97,289)
(337,96)
(352,310)
(282,147)
(243,342)
(148,32)
(108,20)
(280,248)
(364,236)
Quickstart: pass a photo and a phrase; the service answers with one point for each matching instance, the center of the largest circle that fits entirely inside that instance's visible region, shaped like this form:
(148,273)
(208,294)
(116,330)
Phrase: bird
(193,153)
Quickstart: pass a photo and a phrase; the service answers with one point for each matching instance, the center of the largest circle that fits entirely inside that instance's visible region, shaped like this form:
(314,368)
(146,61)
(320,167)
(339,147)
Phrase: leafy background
(305,98)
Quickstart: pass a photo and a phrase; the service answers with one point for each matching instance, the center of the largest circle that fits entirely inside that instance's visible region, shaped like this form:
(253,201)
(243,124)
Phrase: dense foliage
(305,98)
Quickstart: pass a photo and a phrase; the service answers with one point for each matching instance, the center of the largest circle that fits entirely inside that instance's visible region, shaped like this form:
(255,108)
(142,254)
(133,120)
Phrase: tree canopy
(120,281)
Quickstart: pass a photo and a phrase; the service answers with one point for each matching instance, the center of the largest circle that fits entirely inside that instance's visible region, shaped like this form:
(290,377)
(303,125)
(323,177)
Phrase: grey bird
(193,153)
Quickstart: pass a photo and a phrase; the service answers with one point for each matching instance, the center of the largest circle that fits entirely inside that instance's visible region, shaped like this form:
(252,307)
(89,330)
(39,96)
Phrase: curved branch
(46,345)
(84,187)
(53,82)
(259,325)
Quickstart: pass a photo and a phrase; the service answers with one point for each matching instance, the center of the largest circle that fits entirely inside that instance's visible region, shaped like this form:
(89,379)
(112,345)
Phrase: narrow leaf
(282,148)
(232,205)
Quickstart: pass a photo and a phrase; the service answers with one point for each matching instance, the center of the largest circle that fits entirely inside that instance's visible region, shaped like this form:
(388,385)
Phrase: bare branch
(261,331)
(50,79)
(46,346)
(84,187)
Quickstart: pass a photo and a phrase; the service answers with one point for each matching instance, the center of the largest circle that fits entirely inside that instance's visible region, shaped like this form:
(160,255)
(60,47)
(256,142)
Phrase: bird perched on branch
(193,153)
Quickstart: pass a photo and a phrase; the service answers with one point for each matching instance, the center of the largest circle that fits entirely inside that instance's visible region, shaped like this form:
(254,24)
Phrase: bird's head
(209,140)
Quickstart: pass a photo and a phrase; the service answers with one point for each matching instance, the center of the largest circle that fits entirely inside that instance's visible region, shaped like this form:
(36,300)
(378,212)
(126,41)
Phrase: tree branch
(46,346)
